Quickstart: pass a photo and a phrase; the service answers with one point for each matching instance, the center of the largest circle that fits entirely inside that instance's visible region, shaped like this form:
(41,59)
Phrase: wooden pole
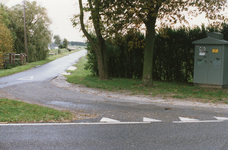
(13,58)
(25,34)
(10,58)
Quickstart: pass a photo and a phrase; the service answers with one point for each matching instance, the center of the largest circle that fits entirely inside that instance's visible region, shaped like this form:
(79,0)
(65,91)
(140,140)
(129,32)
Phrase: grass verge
(160,88)
(12,111)
(6,72)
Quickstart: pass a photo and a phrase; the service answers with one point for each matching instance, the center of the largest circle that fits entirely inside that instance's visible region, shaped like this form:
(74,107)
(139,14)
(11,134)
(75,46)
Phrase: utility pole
(26,49)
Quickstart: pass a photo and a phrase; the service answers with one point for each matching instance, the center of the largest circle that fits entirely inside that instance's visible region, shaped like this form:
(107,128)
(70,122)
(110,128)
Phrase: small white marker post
(72,68)
(65,73)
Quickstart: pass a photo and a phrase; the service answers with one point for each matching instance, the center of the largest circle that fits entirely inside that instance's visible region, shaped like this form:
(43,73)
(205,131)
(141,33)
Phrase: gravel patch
(61,82)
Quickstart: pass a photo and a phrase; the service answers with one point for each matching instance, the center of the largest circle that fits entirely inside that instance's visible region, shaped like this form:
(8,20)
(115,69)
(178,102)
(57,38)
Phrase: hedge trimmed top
(213,38)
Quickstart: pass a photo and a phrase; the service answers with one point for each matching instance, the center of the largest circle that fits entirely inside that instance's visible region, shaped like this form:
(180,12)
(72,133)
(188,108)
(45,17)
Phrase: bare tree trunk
(102,61)
(147,79)
(100,48)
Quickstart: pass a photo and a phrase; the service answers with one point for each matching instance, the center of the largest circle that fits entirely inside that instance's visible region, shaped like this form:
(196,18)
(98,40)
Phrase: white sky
(60,12)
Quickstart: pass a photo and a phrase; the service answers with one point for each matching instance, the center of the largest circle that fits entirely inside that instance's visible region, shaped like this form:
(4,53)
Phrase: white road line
(145,119)
(61,124)
(26,78)
(187,119)
(108,120)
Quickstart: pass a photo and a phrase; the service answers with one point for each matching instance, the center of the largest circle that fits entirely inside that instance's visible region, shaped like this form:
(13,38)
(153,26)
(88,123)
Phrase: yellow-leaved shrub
(6,42)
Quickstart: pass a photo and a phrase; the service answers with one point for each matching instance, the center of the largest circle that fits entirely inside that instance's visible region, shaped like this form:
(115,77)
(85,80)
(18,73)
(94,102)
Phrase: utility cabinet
(211,61)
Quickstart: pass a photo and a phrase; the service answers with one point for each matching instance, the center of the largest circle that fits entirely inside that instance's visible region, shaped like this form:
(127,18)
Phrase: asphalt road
(156,136)
(43,72)
(135,124)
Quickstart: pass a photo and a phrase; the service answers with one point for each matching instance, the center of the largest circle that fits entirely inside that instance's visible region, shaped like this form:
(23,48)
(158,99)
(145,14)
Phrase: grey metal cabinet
(211,61)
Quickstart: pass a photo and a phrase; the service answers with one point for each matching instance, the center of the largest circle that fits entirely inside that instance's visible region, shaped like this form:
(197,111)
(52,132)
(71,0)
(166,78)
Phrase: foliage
(6,42)
(125,56)
(4,16)
(122,14)
(173,54)
(99,48)
(162,89)
(57,41)
(38,33)
(6,72)
(65,43)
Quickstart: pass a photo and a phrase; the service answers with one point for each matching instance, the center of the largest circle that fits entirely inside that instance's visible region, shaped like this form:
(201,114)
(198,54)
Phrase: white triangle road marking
(221,118)
(190,120)
(108,120)
(26,78)
(145,119)
(184,119)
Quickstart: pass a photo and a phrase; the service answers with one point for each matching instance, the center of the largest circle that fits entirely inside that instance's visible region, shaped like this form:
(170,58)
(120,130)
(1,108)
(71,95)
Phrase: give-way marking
(109,121)
(26,78)
(103,121)
(145,120)
(190,120)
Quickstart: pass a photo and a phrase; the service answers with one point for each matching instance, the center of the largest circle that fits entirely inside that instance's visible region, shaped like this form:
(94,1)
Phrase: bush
(173,53)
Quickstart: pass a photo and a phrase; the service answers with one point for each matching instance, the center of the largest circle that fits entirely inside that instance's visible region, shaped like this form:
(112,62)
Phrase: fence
(11,58)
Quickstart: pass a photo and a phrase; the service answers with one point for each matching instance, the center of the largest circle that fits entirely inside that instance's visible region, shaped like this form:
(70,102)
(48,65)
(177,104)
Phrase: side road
(96,104)
(61,82)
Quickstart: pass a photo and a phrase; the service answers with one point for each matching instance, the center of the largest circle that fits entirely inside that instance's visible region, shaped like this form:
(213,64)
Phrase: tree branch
(83,27)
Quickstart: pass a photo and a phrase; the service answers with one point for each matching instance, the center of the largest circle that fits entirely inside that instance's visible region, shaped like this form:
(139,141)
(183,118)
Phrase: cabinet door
(201,64)
(214,64)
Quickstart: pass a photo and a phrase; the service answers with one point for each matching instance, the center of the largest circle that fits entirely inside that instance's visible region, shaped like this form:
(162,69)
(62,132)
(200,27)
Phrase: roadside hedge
(173,54)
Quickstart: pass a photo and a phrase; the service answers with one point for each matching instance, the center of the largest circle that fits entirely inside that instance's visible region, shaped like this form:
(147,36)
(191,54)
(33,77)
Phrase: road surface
(117,123)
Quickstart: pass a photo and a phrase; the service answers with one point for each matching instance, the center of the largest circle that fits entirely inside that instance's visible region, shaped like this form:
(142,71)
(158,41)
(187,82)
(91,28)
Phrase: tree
(4,16)
(6,42)
(38,33)
(122,14)
(95,8)
(57,40)
(65,43)
(6,39)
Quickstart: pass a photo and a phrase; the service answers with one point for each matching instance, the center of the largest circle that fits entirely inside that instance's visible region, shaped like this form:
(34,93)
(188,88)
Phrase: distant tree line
(173,54)
(77,43)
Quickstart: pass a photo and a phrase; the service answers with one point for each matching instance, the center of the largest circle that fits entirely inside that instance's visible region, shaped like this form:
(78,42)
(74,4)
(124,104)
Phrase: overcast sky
(60,12)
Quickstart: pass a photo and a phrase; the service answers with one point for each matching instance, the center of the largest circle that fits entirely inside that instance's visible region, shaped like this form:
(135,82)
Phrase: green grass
(160,88)
(6,72)
(12,111)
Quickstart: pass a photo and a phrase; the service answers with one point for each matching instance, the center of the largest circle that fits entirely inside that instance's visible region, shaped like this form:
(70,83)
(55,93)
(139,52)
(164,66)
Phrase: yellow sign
(214,50)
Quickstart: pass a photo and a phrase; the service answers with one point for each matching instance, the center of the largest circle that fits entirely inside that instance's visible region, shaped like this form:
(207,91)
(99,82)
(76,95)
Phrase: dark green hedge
(173,53)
